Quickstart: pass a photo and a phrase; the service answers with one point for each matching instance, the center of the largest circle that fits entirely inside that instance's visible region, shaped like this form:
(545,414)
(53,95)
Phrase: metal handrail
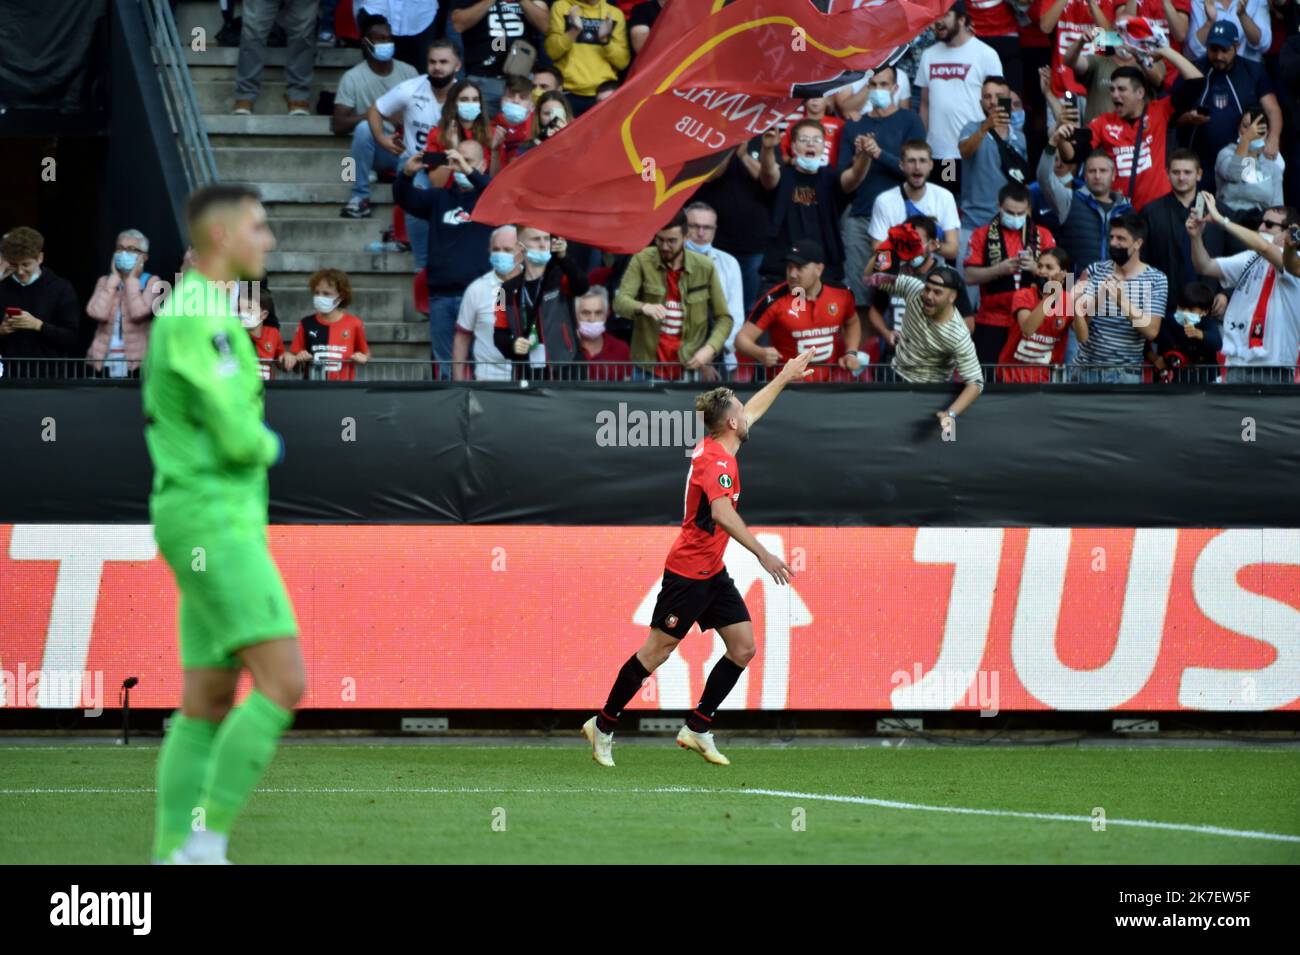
(643,374)
(178,91)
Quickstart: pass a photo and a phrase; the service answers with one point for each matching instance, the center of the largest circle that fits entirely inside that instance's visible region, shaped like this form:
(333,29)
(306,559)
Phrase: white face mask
(250,320)
(324,304)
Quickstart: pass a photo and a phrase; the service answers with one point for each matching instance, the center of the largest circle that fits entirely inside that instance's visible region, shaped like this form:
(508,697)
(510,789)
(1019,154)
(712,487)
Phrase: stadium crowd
(1081,190)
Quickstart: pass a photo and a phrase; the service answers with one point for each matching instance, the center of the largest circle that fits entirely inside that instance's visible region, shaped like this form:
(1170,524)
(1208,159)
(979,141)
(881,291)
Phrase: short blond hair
(714,405)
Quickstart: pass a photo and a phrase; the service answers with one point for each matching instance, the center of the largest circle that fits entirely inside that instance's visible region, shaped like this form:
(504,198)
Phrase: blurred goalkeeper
(210,448)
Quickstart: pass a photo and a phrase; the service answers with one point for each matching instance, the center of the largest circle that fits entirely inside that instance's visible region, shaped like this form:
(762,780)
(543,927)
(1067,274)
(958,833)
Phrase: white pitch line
(693,790)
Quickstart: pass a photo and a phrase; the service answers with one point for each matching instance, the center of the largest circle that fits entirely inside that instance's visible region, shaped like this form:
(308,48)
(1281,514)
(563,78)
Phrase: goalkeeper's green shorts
(231,593)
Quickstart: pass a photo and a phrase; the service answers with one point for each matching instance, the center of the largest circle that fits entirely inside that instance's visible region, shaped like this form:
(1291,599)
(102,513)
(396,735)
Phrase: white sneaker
(601,743)
(201,848)
(703,744)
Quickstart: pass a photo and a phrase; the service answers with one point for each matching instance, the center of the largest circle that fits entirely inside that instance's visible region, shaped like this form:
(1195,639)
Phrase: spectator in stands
(513,126)
(808,196)
(1066,20)
(993,153)
(298,17)
(1261,326)
(670,293)
(552,114)
(1135,118)
(547,78)
(1247,180)
(994,22)
(951,75)
(852,101)
(535,326)
(462,119)
(608,356)
(415,26)
(606,89)
(1044,313)
(1123,301)
(885,312)
(1086,213)
(701,228)
(418,105)
(639,23)
(1211,108)
(359,89)
(457,246)
(814,108)
(123,305)
(40,315)
(489,29)
(330,342)
(916,197)
(588,42)
(1192,338)
(1003,259)
(477,319)
(1168,246)
(934,341)
(253,314)
(886,127)
(805,313)
(734,186)
(1248,18)
(1067,174)
(1094,70)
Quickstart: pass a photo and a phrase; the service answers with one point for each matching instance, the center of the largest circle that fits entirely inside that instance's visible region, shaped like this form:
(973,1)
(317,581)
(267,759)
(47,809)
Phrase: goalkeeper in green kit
(211,449)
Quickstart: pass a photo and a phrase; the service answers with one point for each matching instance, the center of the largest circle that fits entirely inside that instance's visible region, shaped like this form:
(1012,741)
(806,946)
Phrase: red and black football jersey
(697,552)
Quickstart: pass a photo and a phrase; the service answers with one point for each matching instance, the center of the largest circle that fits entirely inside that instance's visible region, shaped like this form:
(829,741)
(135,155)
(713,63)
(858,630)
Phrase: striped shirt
(928,351)
(1112,339)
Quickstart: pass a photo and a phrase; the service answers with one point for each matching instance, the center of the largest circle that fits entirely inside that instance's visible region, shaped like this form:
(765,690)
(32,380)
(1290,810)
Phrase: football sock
(625,686)
(241,752)
(720,682)
(182,767)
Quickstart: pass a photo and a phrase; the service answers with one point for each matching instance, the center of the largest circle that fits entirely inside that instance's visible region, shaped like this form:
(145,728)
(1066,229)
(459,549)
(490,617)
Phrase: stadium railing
(178,93)
(650,373)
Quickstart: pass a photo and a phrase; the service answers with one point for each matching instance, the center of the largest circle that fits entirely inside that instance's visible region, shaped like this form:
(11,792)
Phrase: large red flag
(622,170)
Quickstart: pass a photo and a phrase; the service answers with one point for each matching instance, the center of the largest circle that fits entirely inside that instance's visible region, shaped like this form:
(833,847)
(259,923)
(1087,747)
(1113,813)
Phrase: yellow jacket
(586,65)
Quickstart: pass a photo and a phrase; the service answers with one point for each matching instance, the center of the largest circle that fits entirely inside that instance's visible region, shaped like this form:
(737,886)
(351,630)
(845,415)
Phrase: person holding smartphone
(41,317)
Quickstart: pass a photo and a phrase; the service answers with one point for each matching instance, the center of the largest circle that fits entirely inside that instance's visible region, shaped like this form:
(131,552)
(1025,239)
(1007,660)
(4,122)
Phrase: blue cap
(1223,33)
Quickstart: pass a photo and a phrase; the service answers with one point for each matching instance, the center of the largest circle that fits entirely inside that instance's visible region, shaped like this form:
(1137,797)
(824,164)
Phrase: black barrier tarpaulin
(50,53)
(824,455)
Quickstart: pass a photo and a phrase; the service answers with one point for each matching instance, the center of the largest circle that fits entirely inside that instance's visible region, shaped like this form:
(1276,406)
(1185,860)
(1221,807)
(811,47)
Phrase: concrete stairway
(297,164)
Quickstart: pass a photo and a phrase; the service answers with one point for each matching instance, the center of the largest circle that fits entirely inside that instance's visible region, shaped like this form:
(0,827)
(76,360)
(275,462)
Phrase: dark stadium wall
(1177,456)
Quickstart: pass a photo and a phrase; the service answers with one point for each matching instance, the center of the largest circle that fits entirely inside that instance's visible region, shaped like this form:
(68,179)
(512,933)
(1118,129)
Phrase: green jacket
(646,282)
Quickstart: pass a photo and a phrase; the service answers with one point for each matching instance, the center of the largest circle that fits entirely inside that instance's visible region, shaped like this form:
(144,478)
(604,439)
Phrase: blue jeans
(1105,376)
(443,310)
(367,156)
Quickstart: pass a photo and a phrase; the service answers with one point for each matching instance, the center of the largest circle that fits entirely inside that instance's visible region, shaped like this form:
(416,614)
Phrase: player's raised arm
(725,516)
(757,406)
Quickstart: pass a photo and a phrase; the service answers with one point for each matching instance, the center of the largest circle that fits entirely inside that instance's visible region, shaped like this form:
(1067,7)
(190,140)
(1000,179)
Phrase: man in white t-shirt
(1261,325)
(476,321)
(916,197)
(417,105)
(950,76)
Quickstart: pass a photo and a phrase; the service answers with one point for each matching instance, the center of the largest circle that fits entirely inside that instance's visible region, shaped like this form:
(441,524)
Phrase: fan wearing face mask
(255,308)
(123,307)
(330,341)
(462,121)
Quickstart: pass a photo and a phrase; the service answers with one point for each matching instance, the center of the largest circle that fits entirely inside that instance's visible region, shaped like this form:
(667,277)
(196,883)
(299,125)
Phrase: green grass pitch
(547,804)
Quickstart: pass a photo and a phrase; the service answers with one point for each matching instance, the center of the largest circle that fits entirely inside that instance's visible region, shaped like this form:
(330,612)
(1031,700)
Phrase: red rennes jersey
(1119,136)
(796,324)
(697,552)
(270,347)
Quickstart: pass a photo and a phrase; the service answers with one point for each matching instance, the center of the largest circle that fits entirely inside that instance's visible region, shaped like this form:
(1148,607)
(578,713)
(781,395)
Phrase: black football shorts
(713,602)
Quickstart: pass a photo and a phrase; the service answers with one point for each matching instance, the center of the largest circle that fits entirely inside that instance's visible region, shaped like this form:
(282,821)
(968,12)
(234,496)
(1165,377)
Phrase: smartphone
(13,311)
(1004,104)
(1199,206)
(1109,41)
(435,160)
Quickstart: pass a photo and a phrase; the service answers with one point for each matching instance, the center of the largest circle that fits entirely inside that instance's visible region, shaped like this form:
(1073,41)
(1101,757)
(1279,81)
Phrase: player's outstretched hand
(798,367)
(775,566)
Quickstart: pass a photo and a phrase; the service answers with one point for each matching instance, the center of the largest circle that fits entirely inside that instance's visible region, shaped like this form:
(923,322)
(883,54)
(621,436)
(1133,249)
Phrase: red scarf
(1260,318)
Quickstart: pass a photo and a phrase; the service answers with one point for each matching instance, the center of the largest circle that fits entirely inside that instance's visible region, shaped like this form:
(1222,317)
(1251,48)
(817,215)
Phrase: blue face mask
(1018,119)
(125,261)
(468,112)
(462,180)
(515,113)
(383,52)
(807,164)
(538,256)
(696,247)
(1256,145)
(880,99)
(1014,222)
(503,263)
(35,276)
(1187,318)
